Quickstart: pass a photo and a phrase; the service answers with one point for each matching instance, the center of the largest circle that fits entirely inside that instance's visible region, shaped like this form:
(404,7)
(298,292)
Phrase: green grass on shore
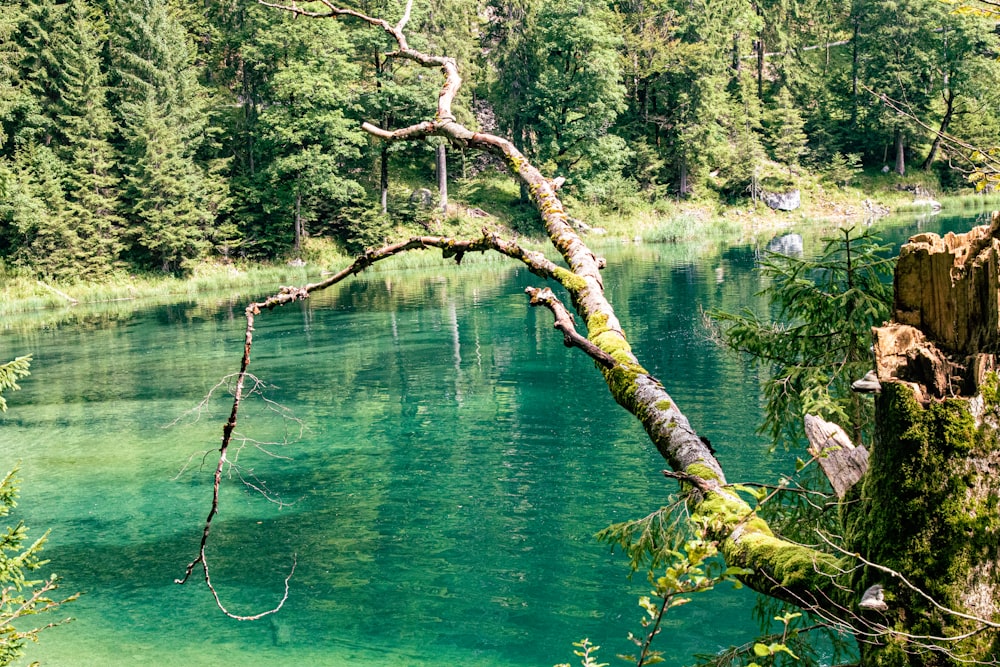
(492,201)
(20,292)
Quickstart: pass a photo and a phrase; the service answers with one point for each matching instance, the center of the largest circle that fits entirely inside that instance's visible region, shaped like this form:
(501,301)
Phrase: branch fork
(747,543)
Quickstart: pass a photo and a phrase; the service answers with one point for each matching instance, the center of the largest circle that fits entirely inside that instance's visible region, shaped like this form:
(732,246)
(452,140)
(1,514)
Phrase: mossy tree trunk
(929,506)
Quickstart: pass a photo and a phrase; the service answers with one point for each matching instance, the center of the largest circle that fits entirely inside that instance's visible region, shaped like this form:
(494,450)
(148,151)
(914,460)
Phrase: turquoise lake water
(442,462)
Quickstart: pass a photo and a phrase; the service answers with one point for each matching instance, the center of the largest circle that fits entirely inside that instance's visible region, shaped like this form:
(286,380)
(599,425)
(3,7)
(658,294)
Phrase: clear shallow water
(454,462)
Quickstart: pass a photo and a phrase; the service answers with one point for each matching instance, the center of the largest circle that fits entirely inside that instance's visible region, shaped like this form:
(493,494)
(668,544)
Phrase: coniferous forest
(151,135)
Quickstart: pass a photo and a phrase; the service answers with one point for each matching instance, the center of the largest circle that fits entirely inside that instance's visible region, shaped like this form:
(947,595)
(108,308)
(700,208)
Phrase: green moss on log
(596,325)
(990,390)
(571,281)
(701,470)
(747,541)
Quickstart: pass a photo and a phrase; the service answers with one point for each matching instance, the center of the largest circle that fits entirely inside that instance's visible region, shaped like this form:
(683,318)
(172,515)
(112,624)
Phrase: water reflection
(455,462)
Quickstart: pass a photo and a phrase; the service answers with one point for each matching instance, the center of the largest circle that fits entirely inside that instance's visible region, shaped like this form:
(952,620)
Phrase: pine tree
(309,138)
(818,342)
(555,84)
(33,218)
(10,60)
(175,193)
(62,214)
(396,93)
(92,183)
(514,65)
(38,67)
(576,94)
(701,98)
(784,131)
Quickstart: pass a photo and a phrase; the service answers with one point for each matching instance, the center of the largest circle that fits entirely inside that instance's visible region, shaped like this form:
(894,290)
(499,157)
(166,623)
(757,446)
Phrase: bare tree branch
(780,568)
(564,323)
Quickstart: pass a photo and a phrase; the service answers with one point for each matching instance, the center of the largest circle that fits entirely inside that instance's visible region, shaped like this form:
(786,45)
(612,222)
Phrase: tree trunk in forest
(683,187)
(855,67)
(442,174)
(949,110)
(384,177)
(900,153)
(383,157)
(929,506)
(298,223)
(760,69)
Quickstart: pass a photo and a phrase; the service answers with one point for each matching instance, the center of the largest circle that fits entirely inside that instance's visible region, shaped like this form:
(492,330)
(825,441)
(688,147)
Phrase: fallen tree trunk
(821,580)
(784,569)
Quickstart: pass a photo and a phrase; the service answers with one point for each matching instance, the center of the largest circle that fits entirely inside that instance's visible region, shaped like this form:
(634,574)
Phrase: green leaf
(733,571)
(788,616)
(775,648)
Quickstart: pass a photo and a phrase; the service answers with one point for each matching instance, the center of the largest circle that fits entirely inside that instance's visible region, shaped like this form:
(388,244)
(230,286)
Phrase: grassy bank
(493,202)
(20,292)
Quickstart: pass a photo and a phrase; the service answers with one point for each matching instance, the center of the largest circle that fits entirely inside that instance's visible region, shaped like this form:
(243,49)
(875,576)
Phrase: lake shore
(680,222)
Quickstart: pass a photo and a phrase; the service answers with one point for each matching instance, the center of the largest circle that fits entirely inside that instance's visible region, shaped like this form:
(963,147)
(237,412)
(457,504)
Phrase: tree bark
(298,223)
(949,110)
(929,507)
(900,153)
(442,174)
(384,177)
(760,67)
(855,63)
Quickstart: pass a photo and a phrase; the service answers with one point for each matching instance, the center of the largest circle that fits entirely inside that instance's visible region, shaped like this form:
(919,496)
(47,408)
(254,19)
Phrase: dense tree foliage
(154,135)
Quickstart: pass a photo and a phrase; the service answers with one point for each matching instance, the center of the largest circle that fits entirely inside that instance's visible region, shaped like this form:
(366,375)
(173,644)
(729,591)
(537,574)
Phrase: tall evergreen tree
(897,47)
(83,134)
(702,112)
(509,41)
(557,80)
(11,54)
(175,191)
(310,139)
(396,93)
(578,91)
(38,66)
(65,212)
(785,131)
(33,226)
(964,74)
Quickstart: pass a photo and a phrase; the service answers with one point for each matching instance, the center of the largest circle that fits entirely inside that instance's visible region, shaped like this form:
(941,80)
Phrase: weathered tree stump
(929,506)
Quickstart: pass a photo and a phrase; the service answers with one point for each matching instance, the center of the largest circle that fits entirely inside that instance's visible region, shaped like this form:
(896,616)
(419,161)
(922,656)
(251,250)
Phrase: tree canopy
(157,135)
